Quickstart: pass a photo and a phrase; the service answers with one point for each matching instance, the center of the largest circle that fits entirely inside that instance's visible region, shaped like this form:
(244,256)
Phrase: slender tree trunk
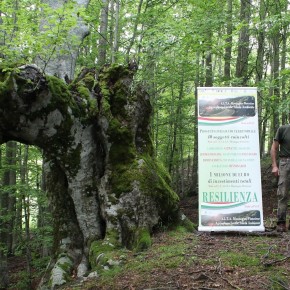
(103,38)
(11,161)
(285,116)
(26,208)
(194,187)
(180,163)
(4,279)
(173,145)
(260,73)
(6,220)
(208,61)
(243,47)
(229,41)
(115,31)
(132,40)
(275,74)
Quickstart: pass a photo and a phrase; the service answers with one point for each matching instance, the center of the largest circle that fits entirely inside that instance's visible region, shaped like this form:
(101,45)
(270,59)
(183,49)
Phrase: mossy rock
(104,251)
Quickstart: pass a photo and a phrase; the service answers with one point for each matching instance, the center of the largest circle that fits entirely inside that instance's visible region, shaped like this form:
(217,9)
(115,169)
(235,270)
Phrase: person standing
(281,144)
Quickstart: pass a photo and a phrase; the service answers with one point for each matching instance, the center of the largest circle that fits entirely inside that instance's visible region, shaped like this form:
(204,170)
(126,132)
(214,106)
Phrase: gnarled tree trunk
(103,180)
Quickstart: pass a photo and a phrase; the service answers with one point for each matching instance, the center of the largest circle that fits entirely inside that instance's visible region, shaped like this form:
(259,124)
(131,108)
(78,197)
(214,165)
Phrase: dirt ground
(273,271)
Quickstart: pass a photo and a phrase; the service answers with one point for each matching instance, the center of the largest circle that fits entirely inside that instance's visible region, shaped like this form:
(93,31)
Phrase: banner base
(231,229)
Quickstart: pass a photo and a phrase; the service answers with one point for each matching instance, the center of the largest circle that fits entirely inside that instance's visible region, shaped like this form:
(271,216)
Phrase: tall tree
(7,209)
(60,50)
(229,41)
(99,160)
(103,39)
(244,43)
(4,279)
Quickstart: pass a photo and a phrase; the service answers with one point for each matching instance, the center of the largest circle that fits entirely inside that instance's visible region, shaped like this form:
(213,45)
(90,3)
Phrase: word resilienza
(229,197)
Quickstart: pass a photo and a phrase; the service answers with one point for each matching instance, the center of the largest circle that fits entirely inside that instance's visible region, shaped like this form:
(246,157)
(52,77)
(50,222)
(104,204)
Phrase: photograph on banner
(230,193)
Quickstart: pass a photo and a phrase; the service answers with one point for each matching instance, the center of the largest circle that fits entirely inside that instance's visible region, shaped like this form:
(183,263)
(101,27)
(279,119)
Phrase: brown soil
(214,275)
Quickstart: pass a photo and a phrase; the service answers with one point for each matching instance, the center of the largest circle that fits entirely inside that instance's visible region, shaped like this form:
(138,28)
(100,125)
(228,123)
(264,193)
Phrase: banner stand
(230,193)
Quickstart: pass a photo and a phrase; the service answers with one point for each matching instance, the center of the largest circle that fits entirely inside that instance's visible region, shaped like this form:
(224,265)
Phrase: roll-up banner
(230,193)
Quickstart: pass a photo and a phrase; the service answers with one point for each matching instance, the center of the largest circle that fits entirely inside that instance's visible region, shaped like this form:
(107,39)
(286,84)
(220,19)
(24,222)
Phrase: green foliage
(32,30)
(26,192)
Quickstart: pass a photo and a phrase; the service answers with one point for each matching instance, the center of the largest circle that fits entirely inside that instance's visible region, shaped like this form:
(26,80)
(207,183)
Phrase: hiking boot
(281,228)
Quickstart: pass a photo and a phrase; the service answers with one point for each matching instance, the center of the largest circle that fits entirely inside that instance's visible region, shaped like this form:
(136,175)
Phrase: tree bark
(260,64)
(103,40)
(102,178)
(243,47)
(229,41)
(4,278)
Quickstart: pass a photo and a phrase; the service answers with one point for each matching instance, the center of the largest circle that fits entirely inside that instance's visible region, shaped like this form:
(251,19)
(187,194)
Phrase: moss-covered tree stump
(104,183)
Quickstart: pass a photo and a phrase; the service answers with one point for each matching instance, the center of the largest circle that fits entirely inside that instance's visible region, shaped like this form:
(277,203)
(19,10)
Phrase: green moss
(103,251)
(105,107)
(5,87)
(84,92)
(60,93)
(89,81)
(187,224)
(143,240)
(155,182)
(122,157)
(112,237)
(120,133)
(115,90)
(131,158)
(122,178)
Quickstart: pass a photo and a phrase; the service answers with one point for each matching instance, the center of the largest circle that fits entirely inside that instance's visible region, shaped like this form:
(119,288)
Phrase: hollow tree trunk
(102,178)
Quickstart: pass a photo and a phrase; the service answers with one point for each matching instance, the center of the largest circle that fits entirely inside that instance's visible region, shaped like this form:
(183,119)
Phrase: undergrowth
(201,260)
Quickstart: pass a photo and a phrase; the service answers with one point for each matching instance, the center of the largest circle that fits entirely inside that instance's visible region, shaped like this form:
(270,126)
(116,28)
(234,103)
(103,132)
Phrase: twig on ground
(219,267)
(280,284)
(264,257)
(231,284)
(220,272)
(268,264)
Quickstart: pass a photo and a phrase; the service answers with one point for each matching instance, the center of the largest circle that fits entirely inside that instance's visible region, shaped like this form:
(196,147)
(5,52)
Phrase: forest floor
(196,260)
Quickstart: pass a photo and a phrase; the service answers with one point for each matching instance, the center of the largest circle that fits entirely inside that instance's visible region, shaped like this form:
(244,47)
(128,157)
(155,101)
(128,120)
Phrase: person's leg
(283,194)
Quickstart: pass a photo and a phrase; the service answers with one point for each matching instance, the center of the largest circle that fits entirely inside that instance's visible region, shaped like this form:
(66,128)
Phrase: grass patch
(236,259)
(278,281)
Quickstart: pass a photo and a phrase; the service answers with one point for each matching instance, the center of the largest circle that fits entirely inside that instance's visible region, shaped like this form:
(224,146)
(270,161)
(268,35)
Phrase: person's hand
(275,171)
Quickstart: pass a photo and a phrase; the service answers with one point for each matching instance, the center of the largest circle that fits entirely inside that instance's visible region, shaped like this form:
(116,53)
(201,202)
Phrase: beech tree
(103,181)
